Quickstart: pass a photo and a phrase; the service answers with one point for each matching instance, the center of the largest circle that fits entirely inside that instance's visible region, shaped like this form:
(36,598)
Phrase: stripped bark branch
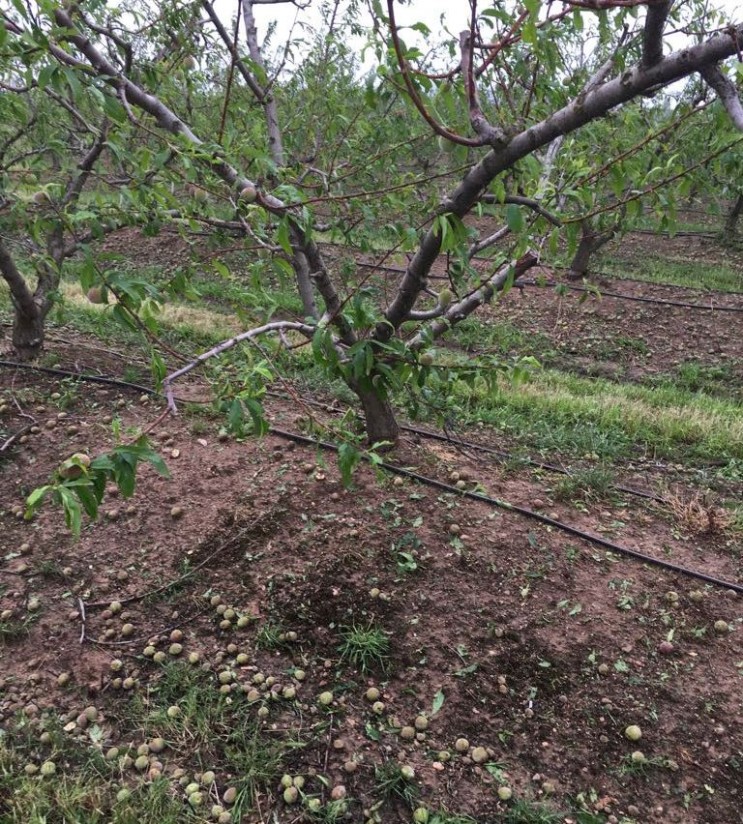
(457,312)
(276,326)
(727,93)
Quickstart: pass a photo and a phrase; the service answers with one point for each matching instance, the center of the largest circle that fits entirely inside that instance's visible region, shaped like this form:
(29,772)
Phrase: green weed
(667,270)
(593,483)
(391,782)
(365,648)
(530,812)
(450,818)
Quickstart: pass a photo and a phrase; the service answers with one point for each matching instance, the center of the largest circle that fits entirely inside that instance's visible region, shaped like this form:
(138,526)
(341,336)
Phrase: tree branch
(457,312)
(20,294)
(77,182)
(727,92)
(169,121)
(440,130)
(247,76)
(488,241)
(488,133)
(276,326)
(652,34)
(595,103)
(275,143)
(529,202)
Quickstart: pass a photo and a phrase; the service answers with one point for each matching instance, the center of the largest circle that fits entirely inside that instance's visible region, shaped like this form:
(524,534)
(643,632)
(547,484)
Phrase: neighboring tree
(37,135)
(733,217)
(512,109)
(73,170)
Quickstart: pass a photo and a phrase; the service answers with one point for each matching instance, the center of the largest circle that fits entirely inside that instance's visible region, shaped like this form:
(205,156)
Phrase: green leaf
(462,673)
(115,111)
(438,702)
(45,75)
(258,419)
(514,218)
(372,732)
(349,458)
(221,269)
(157,368)
(72,511)
(88,499)
(282,236)
(125,479)
(236,417)
(37,496)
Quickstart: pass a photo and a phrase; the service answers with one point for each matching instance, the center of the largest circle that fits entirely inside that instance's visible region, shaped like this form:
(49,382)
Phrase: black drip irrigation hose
(521,283)
(709,235)
(65,373)
(639,493)
(477,447)
(489,450)
(618,549)
(635,298)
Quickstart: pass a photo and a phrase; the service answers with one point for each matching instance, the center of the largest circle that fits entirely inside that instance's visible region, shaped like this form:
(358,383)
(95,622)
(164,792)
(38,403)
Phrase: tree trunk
(581,259)
(731,221)
(28,334)
(380,418)
(29,313)
(590,242)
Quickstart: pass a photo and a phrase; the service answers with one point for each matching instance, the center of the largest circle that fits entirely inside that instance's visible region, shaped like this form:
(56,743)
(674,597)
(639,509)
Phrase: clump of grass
(12,629)
(593,483)
(270,636)
(630,766)
(573,415)
(530,812)
(667,271)
(50,570)
(329,813)
(86,794)
(391,782)
(442,817)
(365,647)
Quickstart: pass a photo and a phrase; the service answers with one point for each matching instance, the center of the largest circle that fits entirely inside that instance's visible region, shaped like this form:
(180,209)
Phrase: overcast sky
(438,15)
(428,11)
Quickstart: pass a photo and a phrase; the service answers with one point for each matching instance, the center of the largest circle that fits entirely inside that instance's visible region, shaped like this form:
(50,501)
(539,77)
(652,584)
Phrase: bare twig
(14,437)
(81,609)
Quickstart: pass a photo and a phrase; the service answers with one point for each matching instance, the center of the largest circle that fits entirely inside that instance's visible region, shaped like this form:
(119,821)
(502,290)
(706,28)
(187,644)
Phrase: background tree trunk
(29,309)
(731,221)
(268,101)
(590,242)
(28,334)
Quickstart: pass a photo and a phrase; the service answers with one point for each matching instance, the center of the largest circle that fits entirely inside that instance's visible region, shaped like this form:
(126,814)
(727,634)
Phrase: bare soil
(545,647)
